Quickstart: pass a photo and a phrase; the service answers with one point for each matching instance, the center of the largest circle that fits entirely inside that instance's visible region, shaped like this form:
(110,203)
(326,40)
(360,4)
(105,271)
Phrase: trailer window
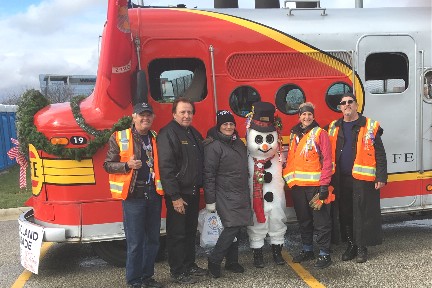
(242,98)
(177,77)
(288,99)
(334,95)
(386,73)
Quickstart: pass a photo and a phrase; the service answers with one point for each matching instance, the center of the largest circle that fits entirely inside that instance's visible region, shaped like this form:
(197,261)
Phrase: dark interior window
(288,99)
(386,73)
(427,85)
(334,95)
(171,78)
(242,98)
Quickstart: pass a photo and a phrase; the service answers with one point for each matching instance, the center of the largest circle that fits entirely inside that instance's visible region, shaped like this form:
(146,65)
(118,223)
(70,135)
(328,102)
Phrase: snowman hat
(262,117)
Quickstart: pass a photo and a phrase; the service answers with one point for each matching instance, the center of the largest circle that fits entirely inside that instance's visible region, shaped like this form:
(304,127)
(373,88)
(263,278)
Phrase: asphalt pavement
(403,260)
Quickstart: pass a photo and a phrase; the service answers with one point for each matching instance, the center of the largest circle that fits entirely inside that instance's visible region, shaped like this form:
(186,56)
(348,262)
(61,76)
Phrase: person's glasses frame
(343,103)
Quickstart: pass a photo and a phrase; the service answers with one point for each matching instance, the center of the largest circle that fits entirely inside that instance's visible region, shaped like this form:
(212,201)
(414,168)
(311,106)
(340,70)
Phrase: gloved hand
(316,203)
(211,207)
(323,192)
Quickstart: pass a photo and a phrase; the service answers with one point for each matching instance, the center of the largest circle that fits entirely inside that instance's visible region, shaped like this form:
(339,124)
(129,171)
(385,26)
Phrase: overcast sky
(62,36)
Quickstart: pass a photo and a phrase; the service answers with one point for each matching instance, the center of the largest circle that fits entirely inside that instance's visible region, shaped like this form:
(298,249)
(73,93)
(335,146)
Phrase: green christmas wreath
(32,101)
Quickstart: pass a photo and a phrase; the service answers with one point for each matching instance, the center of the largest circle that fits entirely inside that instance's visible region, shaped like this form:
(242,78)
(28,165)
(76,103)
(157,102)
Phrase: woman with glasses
(360,165)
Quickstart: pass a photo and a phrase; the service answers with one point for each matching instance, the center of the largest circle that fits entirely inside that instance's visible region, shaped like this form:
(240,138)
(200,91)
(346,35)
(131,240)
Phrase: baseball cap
(142,107)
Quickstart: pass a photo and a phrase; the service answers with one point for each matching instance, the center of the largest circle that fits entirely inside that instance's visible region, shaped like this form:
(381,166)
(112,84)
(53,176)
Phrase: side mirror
(141,92)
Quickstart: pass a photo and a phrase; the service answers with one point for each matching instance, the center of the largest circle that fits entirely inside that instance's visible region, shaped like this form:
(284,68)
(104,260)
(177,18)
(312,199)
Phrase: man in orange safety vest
(132,164)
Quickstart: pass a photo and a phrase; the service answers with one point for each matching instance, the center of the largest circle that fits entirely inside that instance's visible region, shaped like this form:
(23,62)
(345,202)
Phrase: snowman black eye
(259,139)
(269,139)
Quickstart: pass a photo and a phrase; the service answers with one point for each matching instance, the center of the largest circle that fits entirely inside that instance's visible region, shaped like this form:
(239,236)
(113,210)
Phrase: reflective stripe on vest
(332,129)
(157,181)
(116,187)
(303,176)
(332,132)
(364,170)
(296,160)
(124,137)
(365,163)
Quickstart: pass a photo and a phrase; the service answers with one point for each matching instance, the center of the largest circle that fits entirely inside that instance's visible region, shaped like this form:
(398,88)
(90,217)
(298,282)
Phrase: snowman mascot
(266,182)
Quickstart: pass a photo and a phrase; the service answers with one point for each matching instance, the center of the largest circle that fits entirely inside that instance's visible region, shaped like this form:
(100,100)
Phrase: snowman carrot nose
(265,147)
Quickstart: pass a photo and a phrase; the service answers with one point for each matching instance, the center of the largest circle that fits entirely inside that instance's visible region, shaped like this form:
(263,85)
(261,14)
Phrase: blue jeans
(142,220)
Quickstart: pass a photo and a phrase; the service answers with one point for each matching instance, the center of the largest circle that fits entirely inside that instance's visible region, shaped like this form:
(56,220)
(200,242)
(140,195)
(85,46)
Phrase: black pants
(181,232)
(224,243)
(312,220)
(346,203)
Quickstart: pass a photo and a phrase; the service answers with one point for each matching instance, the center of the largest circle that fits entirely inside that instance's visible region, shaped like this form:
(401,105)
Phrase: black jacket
(180,154)
(226,178)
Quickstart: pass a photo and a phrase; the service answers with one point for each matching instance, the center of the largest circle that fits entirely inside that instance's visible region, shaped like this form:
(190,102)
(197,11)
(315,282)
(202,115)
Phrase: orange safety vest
(303,167)
(364,167)
(120,183)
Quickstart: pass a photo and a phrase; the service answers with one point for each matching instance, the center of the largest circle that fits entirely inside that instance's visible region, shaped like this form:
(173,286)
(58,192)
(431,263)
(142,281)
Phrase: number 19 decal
(78,140)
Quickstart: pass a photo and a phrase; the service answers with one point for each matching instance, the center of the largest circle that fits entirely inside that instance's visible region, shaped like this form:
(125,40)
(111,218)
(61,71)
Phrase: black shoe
(214,270)
(350,253)
(183,278)
(323,261)
(258,259)
(234,267)
(277,254)
(135,285)
(361,254)
(151,283)
(303,256)
(194,270)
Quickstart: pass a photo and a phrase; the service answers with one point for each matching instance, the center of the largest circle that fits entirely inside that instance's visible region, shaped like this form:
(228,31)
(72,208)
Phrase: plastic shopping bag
(211,228)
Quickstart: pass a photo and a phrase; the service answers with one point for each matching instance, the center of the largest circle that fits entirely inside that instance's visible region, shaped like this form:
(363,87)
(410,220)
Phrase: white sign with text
(30,245)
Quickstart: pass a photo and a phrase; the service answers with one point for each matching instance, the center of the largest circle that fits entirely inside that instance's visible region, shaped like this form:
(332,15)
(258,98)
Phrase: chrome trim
(211,49)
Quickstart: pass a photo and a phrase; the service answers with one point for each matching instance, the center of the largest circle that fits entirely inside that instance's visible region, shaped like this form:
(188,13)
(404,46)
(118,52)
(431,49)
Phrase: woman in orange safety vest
(308,173)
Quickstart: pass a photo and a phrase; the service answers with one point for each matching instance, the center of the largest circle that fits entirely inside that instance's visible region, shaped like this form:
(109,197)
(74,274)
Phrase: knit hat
(306,108)
(224,116)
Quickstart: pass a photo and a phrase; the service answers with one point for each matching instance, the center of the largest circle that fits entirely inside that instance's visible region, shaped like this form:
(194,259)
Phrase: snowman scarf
(258,181)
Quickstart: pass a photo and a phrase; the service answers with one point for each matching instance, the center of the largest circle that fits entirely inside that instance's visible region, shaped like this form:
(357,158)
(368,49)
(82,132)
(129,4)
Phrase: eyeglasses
(343,103)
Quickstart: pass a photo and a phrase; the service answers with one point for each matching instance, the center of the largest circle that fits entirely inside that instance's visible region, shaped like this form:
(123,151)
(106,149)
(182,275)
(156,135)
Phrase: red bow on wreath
(21,160)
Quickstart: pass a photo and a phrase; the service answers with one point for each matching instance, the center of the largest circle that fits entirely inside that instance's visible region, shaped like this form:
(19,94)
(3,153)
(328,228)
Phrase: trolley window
(334,95)
(289,98)
(427,85)
(386,73)
(177,77)
(242,98)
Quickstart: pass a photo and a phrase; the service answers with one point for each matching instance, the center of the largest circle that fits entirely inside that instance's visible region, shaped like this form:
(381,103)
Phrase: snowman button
(268,197)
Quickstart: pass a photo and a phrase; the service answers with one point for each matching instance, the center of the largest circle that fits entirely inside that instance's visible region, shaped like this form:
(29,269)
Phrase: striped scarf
(258,181)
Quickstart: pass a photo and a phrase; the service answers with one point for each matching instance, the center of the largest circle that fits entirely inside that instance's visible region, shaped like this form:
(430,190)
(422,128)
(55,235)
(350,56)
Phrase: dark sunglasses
(346,102)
